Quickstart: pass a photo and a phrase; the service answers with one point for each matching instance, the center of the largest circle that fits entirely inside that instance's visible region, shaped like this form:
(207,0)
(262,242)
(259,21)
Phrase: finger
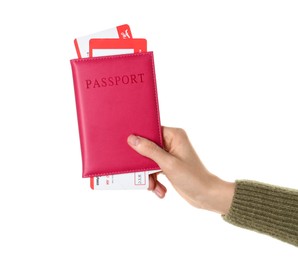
(149,149)
(153,179)
(152,182)
(160,190)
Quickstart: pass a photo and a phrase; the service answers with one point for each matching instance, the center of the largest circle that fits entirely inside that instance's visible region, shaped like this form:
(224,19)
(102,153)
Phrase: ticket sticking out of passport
(129,181)
(114,41)
(82,43)
(103,47)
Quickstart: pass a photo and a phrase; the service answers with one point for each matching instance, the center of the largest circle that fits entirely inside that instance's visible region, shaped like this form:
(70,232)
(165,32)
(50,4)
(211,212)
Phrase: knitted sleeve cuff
(265,208)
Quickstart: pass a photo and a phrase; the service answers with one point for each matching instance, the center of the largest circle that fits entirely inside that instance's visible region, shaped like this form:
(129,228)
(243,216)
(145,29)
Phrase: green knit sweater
(265,208)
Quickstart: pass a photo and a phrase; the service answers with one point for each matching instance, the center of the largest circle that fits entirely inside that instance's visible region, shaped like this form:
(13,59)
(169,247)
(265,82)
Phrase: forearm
(266,209)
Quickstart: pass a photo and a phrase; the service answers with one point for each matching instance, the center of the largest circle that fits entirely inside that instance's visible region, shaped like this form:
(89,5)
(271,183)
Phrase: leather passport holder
(115,96)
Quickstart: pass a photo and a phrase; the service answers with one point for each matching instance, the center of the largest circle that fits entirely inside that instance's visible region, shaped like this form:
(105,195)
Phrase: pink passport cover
(115,96)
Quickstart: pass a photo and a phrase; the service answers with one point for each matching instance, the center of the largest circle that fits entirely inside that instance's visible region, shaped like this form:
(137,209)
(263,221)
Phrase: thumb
(148,149)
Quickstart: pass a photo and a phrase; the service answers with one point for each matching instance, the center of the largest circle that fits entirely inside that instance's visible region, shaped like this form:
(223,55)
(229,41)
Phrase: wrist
(218,195)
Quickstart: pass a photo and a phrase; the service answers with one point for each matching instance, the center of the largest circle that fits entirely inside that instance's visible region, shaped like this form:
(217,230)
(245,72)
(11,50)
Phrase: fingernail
(158,192)
(133,140)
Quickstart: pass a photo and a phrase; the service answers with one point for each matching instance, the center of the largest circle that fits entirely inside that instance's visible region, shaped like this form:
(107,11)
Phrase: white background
(226,73)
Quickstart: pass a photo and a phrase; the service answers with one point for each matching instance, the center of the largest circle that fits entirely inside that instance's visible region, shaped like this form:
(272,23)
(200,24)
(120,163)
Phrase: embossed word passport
(115,96)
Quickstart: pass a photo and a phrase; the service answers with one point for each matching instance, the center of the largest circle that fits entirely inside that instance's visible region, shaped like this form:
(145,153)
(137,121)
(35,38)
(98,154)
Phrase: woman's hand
(184,169)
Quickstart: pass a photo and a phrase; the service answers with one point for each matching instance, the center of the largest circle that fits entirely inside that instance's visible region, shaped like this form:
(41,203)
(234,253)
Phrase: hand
(184,169)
